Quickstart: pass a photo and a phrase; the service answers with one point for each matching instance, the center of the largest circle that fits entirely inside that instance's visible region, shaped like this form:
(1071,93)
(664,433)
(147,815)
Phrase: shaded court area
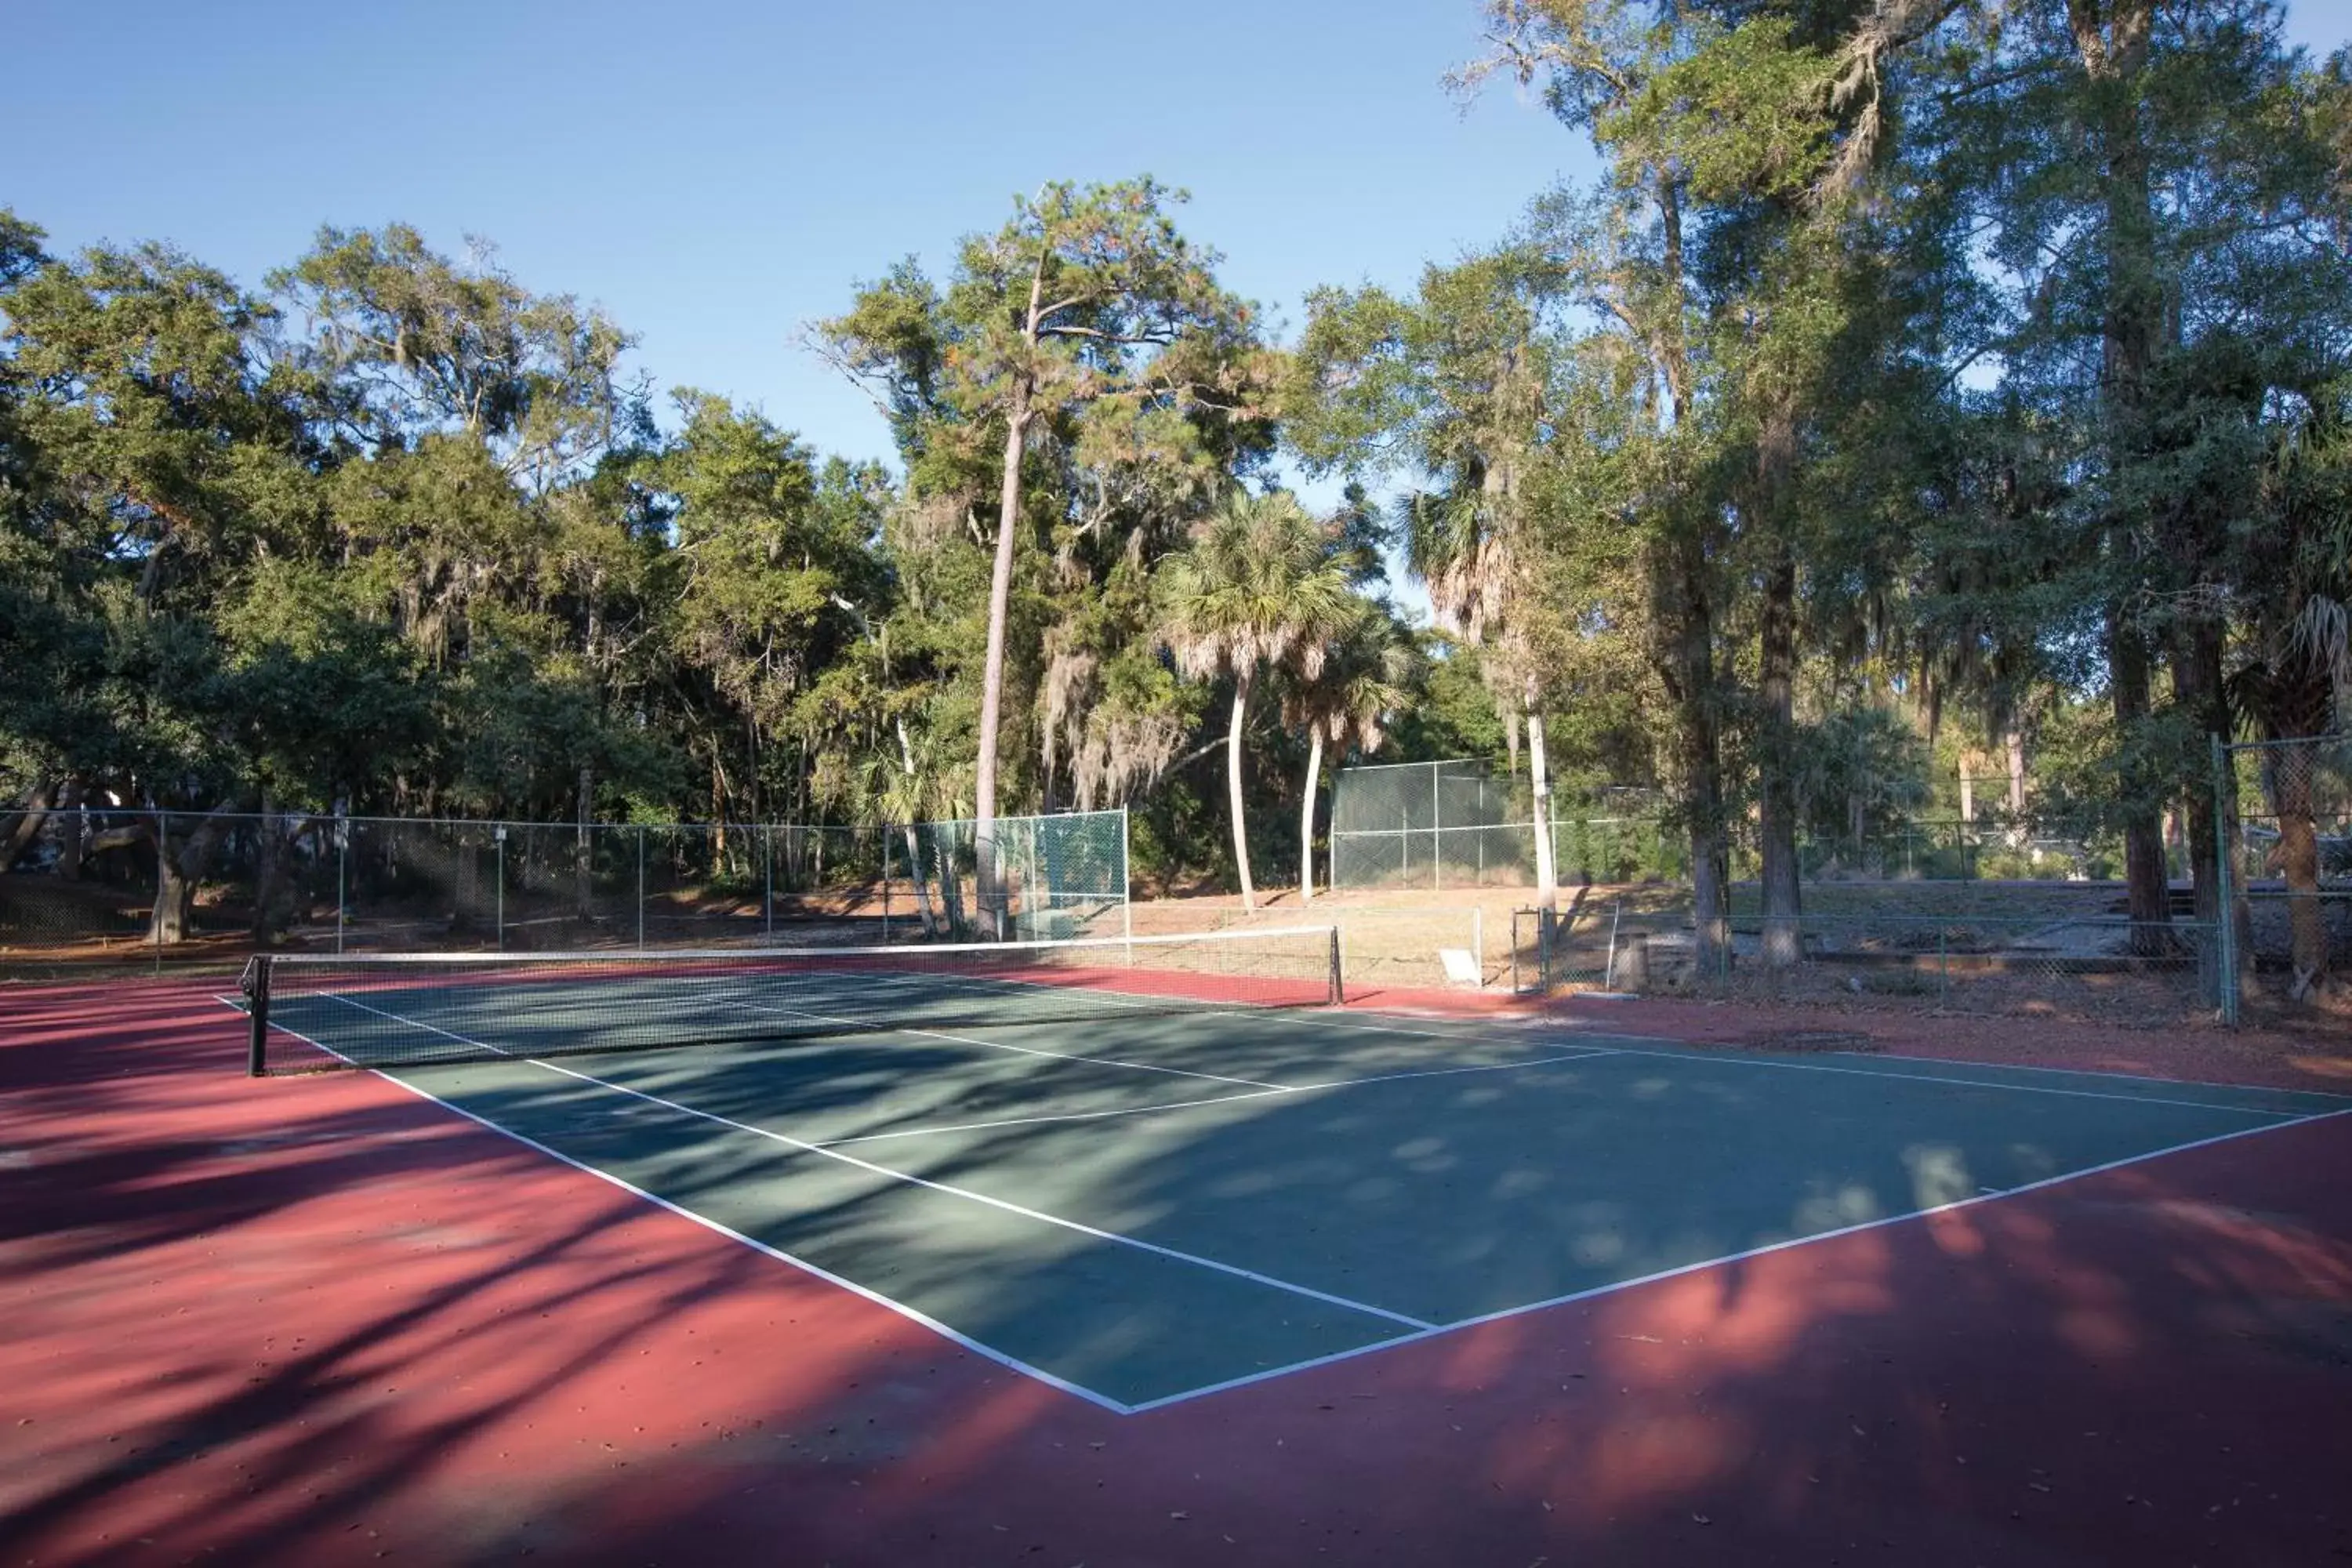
(1248,1286)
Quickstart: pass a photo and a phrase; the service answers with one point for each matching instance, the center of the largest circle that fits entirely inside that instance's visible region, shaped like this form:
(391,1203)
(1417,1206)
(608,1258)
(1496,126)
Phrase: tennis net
(313,1011)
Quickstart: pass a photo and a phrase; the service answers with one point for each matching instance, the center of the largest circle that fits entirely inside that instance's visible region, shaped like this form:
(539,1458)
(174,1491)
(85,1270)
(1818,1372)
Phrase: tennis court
(1146,1174)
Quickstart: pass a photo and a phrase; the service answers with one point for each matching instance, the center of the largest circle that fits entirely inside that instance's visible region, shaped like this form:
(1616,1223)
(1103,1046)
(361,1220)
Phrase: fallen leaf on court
(1701,1519)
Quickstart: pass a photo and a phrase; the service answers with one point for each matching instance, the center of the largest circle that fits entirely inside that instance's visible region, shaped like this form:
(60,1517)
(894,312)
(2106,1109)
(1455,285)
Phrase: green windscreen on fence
(1430,825)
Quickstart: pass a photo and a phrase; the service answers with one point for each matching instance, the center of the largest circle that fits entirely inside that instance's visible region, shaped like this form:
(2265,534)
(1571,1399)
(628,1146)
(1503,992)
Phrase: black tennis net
(315,1011)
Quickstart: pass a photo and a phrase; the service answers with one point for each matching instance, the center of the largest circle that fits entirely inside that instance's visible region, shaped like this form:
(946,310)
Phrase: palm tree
(1261,584)
(1368,673)
(1465,546)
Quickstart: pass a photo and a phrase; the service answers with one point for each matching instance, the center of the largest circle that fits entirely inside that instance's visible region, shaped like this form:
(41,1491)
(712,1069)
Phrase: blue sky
(715,173)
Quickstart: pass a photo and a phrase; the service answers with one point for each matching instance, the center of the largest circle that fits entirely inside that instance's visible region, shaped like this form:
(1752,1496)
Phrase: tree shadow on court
(320,1319)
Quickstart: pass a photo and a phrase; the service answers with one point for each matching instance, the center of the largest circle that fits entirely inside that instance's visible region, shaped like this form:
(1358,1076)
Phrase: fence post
(1437,830)
(641,887)
(342,858)
(499,874)
(768,880)
(1126,884)
(155,914)
(886,887)
(2225,911)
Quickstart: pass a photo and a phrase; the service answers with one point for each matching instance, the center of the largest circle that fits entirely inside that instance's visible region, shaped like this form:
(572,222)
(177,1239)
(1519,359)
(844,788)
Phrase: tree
(1456,384)
(1370,671)
(1089,315)
(1261,584)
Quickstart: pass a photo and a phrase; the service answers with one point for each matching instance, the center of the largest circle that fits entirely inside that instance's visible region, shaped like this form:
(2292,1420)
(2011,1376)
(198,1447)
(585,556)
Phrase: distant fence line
(102,878)
(1453,824)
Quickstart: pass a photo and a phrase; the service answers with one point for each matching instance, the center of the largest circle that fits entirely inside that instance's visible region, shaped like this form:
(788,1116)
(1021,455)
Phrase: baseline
(1687,1052)
(1594,1292)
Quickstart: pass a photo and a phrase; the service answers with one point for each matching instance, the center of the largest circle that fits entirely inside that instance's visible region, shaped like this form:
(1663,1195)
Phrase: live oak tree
(1088,319)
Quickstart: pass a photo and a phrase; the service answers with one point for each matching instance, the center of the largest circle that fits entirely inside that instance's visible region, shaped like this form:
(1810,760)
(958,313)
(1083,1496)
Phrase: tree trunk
(992,687)
(914,847)
(718,811)
(2197,690)
(1700,748)
(269,857)
(1510,732)
(69,830)
(2012,741)
(1538,770)
(1307,814)
(2112,40)
(17,830)
(2299,864)
(922,882)
(1234,791)
(2288,765)
(583,852)
(1777,804)
(2147,892)
(177,875)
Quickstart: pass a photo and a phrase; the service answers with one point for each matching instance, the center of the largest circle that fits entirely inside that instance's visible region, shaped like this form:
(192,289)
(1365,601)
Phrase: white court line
(1112,997)
(1691,1053)
(881,1026)
(1693,1267)
(1219,1100)
(954,1336)
(1428,1332)
(2123,1076)
(1066,1116)
(884,1171)
(1451,1072)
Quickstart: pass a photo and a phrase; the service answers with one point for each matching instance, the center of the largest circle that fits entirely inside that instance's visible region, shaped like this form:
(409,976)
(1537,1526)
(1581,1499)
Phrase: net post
(257,991)
(1338,995)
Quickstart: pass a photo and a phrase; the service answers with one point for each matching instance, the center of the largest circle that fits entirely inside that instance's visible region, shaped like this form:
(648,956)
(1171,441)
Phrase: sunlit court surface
(1096,1265)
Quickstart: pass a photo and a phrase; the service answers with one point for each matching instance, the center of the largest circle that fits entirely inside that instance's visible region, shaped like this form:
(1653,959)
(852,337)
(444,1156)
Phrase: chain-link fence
(2084,965)
(91,884)
(1454,824)
(1056,876)
(1430,825)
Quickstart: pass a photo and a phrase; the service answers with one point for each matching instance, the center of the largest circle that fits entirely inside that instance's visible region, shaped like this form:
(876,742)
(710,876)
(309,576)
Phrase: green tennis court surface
(1141,1207)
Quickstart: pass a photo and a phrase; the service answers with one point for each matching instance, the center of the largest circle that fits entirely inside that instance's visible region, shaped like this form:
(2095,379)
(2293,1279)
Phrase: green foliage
(1860,773)
(1908,378)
